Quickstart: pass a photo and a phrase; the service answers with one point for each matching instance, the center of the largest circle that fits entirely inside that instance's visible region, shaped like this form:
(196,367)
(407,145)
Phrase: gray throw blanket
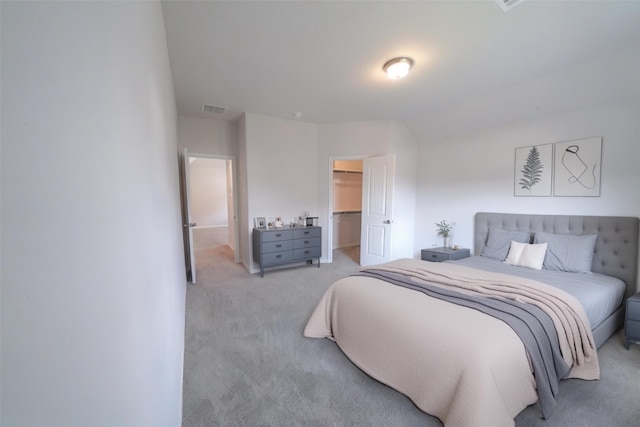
(532,325)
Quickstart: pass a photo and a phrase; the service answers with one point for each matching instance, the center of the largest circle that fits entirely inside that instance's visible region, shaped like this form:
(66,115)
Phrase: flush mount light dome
(398,68)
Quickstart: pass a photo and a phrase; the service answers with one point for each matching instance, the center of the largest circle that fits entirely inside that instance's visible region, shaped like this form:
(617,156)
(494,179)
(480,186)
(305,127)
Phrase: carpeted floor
(247,363)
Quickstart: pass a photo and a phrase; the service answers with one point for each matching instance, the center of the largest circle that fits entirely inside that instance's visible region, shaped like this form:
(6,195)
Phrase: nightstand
(444,254)
(632,320)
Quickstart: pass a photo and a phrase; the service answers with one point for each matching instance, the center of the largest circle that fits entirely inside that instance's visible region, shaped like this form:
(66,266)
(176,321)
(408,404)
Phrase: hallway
(212,252)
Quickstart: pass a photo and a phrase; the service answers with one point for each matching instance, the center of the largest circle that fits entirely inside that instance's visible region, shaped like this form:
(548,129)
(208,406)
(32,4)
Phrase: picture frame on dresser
(260,222)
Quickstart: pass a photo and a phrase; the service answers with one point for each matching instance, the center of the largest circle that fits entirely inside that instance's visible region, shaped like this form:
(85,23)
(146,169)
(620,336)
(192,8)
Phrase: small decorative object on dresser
(632,320)
(260,222)
(444,254)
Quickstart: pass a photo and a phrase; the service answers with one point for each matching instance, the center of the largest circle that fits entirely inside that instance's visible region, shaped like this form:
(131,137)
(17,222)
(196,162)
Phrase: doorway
(346,210)
(376,188)
(212,207)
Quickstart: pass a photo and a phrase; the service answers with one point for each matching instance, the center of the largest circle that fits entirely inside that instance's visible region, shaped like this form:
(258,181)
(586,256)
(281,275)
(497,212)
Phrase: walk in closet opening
(347,205)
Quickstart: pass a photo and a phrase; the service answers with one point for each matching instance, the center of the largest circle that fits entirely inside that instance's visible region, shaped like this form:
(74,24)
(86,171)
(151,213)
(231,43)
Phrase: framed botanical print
(533,172)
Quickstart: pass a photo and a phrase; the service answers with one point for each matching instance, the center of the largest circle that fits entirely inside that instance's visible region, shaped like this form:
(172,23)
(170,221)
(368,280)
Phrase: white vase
(446,242)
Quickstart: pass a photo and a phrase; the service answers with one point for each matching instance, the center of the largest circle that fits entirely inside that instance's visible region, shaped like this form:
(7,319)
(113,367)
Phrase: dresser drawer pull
(278,246)
(278,235)
(306,241)
(434,256)
(306,252)
(306,232)
(278,256)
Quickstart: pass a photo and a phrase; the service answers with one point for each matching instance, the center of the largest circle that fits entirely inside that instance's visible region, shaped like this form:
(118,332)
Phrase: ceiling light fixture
(398,68)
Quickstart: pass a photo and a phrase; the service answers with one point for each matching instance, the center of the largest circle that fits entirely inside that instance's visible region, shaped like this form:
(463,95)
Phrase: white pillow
(525,255)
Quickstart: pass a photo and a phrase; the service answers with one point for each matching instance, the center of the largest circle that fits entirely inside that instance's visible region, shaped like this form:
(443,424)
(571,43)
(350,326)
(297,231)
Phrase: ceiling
(475,65)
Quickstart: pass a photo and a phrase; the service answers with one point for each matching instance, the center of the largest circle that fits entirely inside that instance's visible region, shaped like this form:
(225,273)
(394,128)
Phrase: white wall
(463,175)
(404,145)
(244,223)
(281,158)
(204,136)
(208,192)
(93,280)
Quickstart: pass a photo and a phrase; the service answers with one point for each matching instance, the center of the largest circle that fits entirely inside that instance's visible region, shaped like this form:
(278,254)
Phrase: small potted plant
(444,230)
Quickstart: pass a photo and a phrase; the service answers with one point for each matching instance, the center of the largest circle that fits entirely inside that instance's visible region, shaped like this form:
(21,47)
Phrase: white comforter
(458,364)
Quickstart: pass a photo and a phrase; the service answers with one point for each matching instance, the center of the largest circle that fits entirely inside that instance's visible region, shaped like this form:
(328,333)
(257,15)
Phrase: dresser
(287,245)
(443,254)
(632,320)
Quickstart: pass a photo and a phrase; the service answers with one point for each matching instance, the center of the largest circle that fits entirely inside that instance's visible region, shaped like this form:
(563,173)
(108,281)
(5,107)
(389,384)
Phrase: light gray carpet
(247,363)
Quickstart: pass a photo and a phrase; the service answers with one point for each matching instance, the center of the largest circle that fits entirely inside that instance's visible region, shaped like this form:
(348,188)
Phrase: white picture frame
(577,168)
(533,171)
(260,222)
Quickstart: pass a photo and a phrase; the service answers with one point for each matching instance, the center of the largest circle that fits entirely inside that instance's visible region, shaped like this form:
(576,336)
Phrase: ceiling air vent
(214,109)
(507,4)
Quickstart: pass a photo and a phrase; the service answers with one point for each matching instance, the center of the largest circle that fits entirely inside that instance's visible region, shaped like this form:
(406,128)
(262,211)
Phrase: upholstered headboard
(616,251)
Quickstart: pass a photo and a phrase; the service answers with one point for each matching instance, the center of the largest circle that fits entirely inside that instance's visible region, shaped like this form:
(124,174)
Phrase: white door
(190,256)
(377,205)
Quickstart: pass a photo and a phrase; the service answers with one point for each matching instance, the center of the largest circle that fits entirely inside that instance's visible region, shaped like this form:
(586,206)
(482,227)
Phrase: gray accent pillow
(499,242)
(568,252)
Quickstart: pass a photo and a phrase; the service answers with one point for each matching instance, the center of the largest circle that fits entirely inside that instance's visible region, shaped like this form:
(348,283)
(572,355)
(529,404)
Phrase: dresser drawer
(632,329)
(459,254)
(277,246)
(305,243)
(307,232)
(272,236)
(307,253)
(434,256)
(633,310)
(277,257)
(443,254)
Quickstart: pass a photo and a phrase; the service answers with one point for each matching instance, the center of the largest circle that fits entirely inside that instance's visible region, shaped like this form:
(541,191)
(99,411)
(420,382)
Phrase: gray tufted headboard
(616,251)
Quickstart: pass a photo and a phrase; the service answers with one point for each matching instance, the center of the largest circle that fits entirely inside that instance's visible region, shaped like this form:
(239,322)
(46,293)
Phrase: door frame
(234,189)
(330,201)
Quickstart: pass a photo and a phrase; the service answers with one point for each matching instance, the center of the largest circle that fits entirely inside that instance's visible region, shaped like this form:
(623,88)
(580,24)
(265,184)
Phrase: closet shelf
(346,171)
(347,212)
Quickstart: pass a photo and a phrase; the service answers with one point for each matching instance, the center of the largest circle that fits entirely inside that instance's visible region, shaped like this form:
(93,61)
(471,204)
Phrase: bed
(475,341)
